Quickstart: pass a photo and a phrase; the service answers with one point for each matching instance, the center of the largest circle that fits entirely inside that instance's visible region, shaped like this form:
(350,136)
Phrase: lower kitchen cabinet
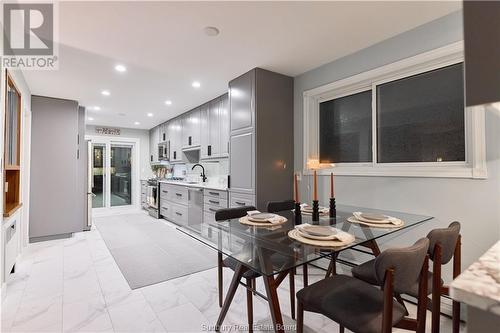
(241,199)
(144,192)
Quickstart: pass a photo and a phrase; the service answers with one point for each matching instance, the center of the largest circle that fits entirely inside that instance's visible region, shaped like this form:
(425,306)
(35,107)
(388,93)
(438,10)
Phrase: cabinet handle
(165,191)
(180,214)
(178,194)
(239,203)
(214,202)
(189,141)
(213,210)
(209,150)
(214,193)
(175,155)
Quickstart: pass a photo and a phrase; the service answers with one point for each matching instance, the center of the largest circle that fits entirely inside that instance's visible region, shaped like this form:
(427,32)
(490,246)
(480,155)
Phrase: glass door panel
(98,175)
(121,175)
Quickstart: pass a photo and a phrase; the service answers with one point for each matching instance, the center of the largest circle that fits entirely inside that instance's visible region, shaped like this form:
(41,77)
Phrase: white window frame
(475,147)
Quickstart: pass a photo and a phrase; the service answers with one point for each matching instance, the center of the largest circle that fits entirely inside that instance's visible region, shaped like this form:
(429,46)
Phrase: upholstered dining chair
(276,207)
(280,206)
(364,308)
(227,214)
(445,244)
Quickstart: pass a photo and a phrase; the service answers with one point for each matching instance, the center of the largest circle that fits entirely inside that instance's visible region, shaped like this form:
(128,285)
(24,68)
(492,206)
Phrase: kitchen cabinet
(215,128)
(261,138)
(163,132)
(154,139)
(191,129)
(144,191)
(175,137)
(224,126)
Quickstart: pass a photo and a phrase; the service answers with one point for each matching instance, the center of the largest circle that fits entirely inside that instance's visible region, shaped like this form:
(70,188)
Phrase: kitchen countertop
(479,285)
(213,186)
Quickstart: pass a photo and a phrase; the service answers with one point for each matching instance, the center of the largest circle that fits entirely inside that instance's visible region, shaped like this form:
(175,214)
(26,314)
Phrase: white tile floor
(74,285)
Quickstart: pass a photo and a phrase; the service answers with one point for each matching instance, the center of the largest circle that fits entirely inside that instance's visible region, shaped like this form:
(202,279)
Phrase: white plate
(306,235)
(318,230)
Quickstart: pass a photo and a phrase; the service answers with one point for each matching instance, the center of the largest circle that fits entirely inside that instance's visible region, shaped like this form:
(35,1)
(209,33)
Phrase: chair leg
(455,308)
(402,302)
(436,289)
(300,317)
(249,306)
(292,292)
(341,329)
(219,277)
(304,274)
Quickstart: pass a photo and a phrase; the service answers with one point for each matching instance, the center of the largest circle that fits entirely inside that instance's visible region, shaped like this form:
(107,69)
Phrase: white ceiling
(165,49)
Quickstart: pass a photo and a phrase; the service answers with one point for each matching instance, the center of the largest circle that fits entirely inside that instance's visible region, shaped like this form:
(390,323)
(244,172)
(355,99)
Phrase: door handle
(239,203)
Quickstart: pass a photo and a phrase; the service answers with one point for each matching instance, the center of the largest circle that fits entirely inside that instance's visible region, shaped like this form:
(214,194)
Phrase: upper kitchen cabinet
(163,132)
(224,125)
(261,138)
(215,128)
(175,135)
(191,129)
(154,139)
(241,99)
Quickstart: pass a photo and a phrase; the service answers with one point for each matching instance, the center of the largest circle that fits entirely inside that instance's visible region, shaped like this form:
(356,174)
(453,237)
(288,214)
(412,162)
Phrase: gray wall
(475,203)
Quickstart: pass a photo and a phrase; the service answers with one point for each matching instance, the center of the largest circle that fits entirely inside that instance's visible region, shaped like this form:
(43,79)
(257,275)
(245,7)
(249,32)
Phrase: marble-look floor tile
(88,315)
(134,317)
(183,318)
(39,315)
(163,296)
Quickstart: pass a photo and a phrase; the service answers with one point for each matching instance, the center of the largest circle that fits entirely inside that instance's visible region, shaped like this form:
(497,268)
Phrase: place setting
(375,220)
(258,219)
(320,235)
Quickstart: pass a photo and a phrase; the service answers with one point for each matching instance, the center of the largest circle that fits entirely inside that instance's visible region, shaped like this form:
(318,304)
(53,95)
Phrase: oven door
(152,196)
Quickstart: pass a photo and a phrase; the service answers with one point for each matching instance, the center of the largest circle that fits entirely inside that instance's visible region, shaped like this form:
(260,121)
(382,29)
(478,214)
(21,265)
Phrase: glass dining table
(271,253)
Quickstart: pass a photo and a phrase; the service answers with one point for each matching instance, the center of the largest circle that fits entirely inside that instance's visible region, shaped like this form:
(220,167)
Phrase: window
(421,118)
(407,118)
(346,129)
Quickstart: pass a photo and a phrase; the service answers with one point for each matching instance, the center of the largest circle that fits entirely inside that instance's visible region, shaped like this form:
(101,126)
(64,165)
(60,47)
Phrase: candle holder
(298,213)
(315,211)
(333,208)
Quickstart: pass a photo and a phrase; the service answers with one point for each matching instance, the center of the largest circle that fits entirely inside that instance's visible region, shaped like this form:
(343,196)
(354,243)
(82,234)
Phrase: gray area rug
(148,251)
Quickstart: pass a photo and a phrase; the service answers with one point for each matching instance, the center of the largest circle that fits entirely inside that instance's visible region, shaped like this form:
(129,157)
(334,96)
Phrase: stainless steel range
(153,198)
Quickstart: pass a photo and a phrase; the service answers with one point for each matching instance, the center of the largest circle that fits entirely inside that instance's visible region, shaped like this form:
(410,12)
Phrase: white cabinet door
(241,102)
(213,124)
(175,132)
(185,121)
(154,138)
(195,127)
(241,163)
(224,126)
(205,131)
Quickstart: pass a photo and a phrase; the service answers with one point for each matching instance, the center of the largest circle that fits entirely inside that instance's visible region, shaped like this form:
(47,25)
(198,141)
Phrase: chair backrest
(407,264)
(232,213)
(447,238)
(279,206)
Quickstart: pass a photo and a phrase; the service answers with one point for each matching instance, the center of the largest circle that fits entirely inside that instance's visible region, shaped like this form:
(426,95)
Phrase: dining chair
(445,244)
(280,206)
(363,308)
(249,275)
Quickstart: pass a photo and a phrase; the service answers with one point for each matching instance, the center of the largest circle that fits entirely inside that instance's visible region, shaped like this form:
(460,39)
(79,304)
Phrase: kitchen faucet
(203,177)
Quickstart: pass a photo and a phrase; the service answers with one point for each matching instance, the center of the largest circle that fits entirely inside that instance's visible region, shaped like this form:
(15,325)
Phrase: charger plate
(398,223)
(246,221)
(295,234)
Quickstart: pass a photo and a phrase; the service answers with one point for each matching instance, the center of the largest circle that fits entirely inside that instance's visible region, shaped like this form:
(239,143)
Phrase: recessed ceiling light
(95,108)
(137,123)
(90,118)
(196,84)
(150,114)
(105,92)
(120,68)
(211,31)
(168,102)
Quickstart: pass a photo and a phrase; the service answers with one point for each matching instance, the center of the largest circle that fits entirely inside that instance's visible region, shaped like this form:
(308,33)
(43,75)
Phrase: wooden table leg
(332,268)
(274,304)
(238,274)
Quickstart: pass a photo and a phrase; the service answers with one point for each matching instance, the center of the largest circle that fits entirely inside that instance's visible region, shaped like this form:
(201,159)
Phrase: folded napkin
(389,220)
(339,235)
(276,219)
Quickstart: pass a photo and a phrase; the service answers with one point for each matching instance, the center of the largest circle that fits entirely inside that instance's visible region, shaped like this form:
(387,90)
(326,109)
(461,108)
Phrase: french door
(113,176)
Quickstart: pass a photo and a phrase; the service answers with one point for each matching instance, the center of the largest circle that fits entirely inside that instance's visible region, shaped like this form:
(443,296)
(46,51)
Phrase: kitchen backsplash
(216,171)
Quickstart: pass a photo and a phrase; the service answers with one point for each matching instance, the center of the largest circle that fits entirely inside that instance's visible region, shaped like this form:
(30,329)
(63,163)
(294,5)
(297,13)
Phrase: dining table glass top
(269,250)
